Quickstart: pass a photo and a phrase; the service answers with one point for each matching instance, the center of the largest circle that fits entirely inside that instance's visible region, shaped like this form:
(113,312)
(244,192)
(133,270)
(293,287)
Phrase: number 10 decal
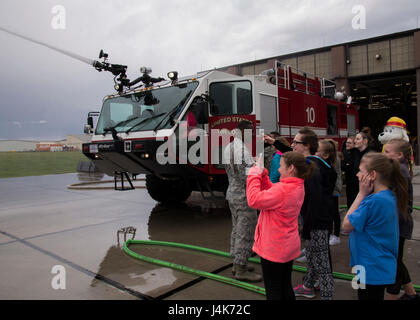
(310,112)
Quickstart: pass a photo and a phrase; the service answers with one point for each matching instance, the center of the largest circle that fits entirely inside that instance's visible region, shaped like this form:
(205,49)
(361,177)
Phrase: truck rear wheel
(166,191)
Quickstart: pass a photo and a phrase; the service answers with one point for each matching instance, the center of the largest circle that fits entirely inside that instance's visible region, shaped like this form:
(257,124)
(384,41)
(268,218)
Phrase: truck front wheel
(166,191)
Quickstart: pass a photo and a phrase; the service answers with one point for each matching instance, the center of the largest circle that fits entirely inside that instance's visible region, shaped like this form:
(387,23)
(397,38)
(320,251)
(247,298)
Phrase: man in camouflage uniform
(244,219)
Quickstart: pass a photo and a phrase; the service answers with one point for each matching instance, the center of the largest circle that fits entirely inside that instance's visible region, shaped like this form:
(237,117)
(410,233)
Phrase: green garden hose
(178,267)
(209,275)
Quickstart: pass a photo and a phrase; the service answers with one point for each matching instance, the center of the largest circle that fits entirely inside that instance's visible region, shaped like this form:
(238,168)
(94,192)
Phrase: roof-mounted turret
(119,71)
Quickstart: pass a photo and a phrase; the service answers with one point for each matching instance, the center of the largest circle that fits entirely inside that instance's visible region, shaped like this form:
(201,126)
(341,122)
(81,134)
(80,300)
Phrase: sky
(45,95)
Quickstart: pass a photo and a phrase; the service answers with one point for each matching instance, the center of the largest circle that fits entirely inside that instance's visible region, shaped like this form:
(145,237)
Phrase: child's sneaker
(301,291)
(334,240)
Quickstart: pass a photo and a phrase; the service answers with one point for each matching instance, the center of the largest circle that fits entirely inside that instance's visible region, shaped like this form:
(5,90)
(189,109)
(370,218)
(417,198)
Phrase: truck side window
(234,97)
(331,120)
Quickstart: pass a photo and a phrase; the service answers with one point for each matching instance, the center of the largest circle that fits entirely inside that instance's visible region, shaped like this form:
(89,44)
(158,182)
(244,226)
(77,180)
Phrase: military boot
(249,268)
(242,274)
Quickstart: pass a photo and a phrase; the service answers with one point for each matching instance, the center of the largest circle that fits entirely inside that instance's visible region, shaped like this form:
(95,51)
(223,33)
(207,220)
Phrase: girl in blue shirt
(373,222)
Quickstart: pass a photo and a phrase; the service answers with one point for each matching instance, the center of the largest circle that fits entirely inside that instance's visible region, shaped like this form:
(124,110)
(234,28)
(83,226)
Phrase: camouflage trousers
(244,221)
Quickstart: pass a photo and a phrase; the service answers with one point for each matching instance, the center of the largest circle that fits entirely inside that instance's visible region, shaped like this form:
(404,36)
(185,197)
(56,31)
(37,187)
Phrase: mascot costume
(395,129)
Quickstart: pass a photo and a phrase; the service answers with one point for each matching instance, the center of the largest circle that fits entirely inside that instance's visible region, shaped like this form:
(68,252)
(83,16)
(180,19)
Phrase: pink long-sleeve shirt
(276,235)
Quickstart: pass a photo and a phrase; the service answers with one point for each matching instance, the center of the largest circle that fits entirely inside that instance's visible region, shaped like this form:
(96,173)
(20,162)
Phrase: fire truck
(173,130)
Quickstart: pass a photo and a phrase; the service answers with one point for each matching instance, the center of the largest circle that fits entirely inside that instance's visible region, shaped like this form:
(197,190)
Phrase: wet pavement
(44,224)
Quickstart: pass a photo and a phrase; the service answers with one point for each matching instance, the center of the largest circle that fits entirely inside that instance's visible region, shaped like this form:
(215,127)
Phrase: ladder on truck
(291,78)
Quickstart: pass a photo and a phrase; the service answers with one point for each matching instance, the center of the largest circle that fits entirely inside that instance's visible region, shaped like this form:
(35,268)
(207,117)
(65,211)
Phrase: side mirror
(87,129)
(201,111)
(90,121)
(89,126)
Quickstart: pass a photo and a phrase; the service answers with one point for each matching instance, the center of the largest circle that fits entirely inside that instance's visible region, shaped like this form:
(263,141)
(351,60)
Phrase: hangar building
(382,74)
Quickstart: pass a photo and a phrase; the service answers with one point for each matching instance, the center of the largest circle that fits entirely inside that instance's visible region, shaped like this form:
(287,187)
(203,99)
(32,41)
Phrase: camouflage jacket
(237,160)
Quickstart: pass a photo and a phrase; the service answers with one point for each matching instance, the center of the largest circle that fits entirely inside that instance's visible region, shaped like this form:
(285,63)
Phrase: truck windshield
(145,110)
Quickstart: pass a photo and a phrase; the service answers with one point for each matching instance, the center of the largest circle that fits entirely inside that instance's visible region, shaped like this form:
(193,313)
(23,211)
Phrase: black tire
(167,191)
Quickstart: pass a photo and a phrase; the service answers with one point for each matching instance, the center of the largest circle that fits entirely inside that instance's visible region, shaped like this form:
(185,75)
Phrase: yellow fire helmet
(396,122)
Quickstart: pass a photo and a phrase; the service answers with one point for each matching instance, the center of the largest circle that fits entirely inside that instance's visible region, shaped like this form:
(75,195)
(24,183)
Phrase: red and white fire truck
(134,125)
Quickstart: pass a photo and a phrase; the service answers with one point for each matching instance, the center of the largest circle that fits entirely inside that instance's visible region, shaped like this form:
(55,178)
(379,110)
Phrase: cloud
(20,123)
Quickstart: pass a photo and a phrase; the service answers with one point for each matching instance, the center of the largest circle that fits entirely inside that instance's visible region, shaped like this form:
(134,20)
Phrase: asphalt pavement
(61,243)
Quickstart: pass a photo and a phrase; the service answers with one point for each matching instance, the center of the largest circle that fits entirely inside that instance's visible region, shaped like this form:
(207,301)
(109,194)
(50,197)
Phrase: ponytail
(400,188)
(330,150)
(304,167)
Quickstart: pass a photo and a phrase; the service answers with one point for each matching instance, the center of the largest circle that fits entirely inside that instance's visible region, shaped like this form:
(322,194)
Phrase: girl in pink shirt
(277,240)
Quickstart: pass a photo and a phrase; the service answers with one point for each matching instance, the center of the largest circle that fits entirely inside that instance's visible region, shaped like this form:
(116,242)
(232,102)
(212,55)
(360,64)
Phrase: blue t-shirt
(374,240)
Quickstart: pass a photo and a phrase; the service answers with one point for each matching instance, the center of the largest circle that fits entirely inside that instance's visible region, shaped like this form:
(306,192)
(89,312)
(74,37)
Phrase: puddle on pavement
(153,279)
(191,224)
(91,176)
(197,222)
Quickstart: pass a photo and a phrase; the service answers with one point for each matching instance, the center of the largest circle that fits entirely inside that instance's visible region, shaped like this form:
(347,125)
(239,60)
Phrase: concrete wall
(396,52)
(254,68)
(402,53)
(339,67)
(323,65)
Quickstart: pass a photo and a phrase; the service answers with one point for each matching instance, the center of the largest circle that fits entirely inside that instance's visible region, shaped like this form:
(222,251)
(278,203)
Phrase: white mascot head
(395,128)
